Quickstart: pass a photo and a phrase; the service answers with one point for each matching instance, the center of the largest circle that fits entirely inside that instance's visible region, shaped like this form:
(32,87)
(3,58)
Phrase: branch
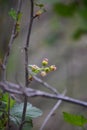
(45,84)
(27,43)
(10,43)
(52,111)
(10,88)
(59,97)
(55,106)
(26,61)
(29,92)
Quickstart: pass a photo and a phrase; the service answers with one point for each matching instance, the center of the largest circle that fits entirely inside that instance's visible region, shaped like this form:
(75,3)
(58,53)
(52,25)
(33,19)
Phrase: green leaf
(15,120)
(65,10)
(39,5)
(5,100)
(12,102)
(31,112)
(13,14)
(49,1)
(3,105)
(5,97)
(28,125)
(17,110)
(76,120)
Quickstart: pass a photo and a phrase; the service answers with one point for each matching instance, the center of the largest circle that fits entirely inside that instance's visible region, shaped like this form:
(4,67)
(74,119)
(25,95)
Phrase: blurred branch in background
(6,25)
(21,90)
(13,36)
(51,112)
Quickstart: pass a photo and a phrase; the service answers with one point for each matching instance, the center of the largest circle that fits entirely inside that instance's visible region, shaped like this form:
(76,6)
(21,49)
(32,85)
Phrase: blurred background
(59,34)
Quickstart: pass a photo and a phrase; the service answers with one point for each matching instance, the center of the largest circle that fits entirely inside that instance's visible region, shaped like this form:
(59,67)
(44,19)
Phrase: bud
(53,68)
(43,73)
(30,77)
(45,62)
(34,68)
(47,69)
(17,26)
(39,12)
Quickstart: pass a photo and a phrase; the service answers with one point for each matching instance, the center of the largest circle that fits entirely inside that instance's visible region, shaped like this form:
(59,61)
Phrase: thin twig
(5,61)
(26,61)
(45,84)
(59,97)
(51,112)
(11,88)
(27,44)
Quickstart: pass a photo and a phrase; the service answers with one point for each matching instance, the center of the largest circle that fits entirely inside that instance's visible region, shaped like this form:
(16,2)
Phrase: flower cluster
(43,70)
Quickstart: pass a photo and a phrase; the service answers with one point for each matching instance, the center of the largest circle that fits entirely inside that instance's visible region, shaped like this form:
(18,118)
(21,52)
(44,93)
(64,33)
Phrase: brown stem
(26,62)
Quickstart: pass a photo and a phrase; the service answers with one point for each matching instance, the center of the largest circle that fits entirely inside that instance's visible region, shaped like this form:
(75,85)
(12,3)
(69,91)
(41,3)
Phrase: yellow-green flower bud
(35,68)
(43,73)
(47,69)
(30,77)
(45,62)
(53,68)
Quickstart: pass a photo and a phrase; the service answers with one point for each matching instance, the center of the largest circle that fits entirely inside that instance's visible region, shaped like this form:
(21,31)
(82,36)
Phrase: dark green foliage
(85,2)
(71,9)
(65,10)
(4,108)
(83,13)
(4,2)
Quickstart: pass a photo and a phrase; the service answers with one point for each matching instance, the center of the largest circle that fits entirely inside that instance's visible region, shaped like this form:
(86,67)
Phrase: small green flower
(47,69)
(45,62)
(43,73)
(53,68)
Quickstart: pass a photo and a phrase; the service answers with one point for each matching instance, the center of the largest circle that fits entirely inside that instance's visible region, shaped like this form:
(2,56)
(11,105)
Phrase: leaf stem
(8,123)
